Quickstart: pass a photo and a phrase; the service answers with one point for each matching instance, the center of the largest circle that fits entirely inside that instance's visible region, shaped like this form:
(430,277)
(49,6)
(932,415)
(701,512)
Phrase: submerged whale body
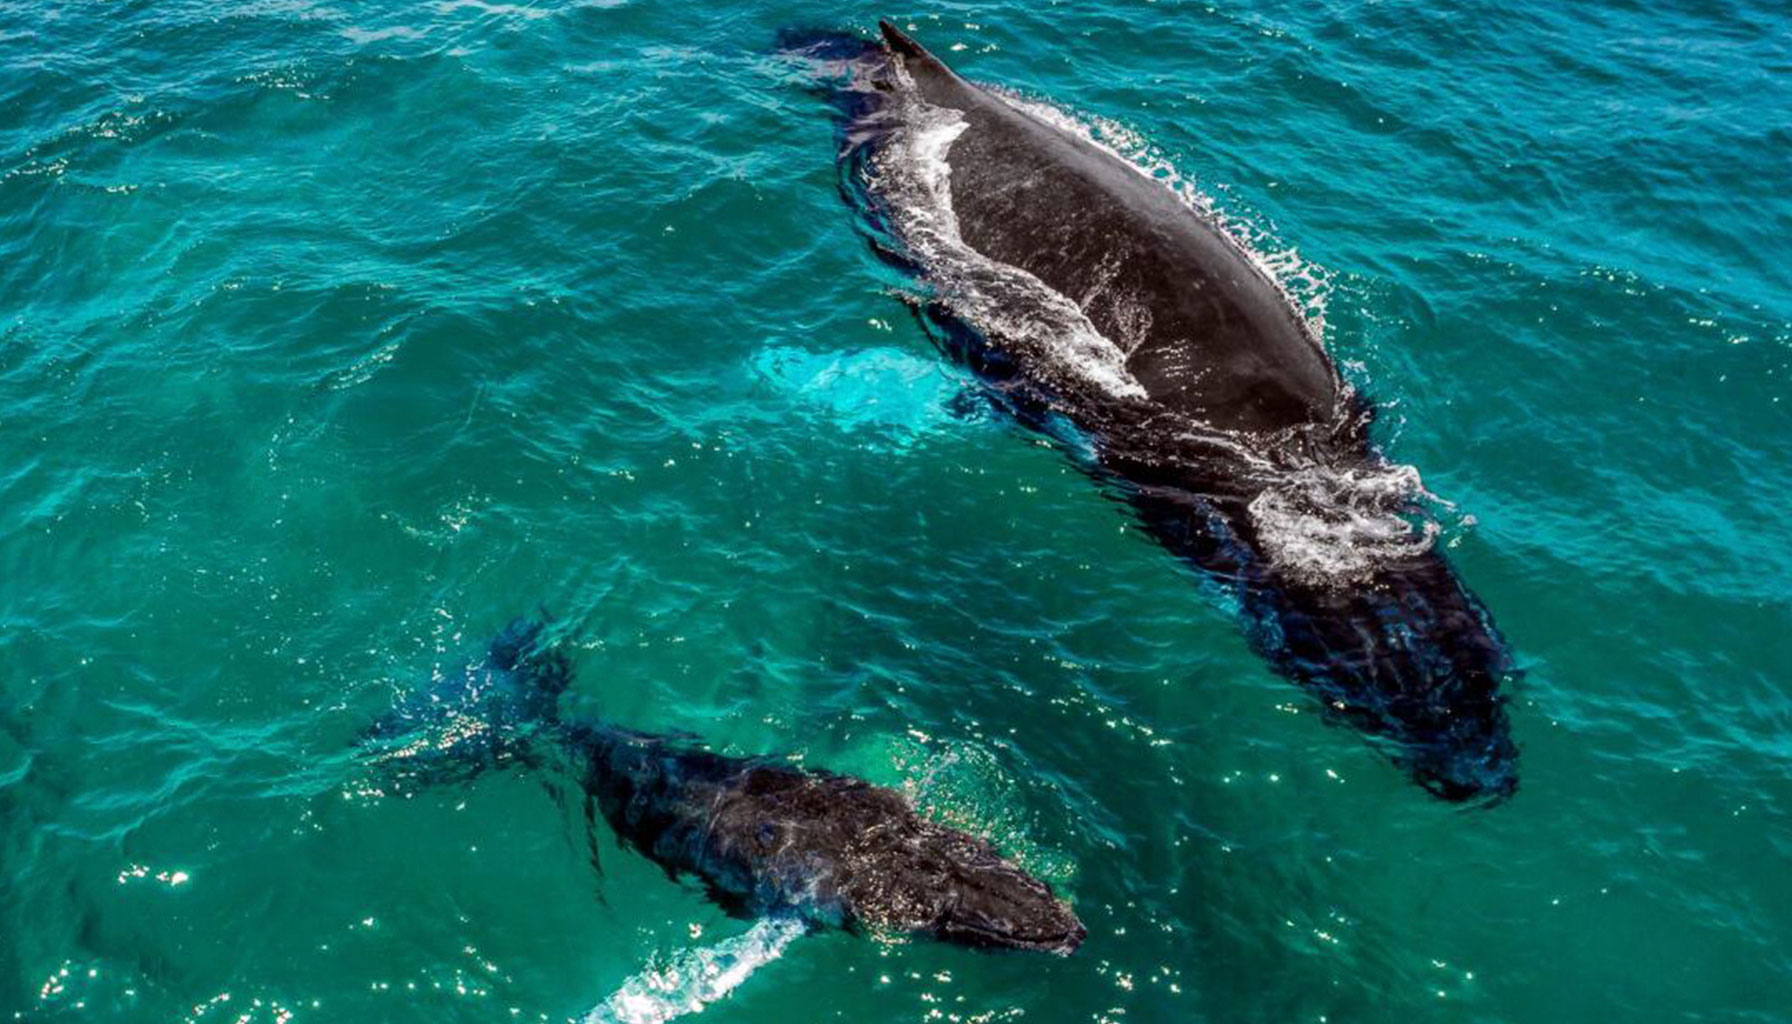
(1094,301)
(767,839)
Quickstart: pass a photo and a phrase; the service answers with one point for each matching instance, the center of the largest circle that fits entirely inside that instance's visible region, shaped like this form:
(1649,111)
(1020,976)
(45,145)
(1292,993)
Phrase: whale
(765,838)
(1101,307)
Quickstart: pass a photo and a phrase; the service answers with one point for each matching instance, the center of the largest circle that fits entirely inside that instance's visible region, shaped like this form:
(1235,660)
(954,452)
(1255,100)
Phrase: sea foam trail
(696,977)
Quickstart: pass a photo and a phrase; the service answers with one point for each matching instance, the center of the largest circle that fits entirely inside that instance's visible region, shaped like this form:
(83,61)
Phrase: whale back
(767,837)
(1203,330)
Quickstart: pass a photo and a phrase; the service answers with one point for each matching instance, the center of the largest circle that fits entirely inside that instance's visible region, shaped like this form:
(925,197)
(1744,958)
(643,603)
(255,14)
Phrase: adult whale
(1099,305)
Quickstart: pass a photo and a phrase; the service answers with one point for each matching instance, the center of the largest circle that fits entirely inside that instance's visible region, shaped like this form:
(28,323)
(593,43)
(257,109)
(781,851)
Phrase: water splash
(1325,522)
(1325,525)
(694,978)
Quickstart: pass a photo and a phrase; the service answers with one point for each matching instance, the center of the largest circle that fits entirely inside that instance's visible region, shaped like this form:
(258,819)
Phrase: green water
(332,336)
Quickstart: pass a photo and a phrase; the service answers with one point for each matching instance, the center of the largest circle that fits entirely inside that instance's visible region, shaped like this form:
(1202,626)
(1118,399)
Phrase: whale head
(1469,759)
(1001,907)
(956,888)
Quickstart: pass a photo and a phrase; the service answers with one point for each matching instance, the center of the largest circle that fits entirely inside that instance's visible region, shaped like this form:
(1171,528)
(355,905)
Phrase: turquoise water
(332,336)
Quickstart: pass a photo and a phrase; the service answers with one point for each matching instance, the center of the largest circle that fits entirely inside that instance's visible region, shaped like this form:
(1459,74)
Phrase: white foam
(694,978)
(1330,525)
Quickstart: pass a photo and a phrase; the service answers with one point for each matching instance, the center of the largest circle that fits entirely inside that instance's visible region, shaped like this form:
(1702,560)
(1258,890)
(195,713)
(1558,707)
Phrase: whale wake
(694,978)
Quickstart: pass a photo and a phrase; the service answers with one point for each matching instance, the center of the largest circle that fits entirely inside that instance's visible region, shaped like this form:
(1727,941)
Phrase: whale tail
(487,715)
(539,671)
(939,84)
(899,42)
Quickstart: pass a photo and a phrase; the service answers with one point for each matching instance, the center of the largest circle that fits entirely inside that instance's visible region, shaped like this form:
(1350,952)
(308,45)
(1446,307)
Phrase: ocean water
(333,335)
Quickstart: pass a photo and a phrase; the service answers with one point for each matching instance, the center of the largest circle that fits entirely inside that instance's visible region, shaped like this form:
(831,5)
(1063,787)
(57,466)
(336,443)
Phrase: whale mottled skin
(1216,410)
(766,838)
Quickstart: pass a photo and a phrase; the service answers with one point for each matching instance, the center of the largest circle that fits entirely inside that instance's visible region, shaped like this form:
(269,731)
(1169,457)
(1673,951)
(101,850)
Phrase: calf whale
(767,839)
(1099,306)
